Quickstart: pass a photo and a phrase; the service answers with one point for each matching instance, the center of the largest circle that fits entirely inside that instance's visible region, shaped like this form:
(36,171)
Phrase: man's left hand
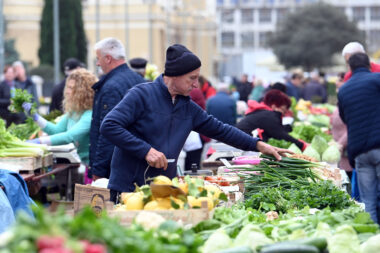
(270,150)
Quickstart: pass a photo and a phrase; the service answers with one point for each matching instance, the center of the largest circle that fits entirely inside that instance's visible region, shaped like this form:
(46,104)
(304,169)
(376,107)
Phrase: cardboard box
(95,197)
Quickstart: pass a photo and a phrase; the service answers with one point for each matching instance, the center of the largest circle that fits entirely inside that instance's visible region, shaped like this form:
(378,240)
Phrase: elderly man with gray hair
(118,78)
(24,82)
(353,48)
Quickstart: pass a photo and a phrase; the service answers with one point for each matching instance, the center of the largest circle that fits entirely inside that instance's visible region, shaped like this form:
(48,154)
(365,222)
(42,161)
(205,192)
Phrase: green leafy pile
(20,97)
(24,131)
(307,132)
(316,195)
(279,143)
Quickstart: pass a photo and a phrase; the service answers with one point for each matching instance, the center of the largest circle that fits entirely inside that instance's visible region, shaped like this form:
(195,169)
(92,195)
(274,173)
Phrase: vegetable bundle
(20,97)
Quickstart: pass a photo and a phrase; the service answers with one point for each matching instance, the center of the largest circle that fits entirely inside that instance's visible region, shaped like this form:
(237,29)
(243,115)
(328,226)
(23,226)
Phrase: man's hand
(270,150)
(156,159)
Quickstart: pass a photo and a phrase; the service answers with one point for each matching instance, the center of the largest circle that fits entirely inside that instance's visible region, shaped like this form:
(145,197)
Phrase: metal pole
(97,18)
(56,40)
(1,37)
(150,31)
(126,9)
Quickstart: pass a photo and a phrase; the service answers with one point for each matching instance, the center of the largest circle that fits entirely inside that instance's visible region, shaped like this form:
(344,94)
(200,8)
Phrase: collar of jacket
(104,78)
(361,70)
(165,91)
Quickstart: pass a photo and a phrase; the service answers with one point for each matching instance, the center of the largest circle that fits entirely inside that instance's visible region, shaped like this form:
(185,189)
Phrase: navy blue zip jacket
(359,108)
(147,117)
(109,90)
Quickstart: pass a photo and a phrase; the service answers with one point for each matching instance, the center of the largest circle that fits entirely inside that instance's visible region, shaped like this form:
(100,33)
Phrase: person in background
(267,116)
(244,87)
(294,86)
(339,132)
(359,105)
(57,95)
(257,91)
(24,82)
(138,65)
(7,91)
(153,121)
(353,48)
(314,90)
(74,125)
(234,93)
(118,78)
(206,87)
(222,106)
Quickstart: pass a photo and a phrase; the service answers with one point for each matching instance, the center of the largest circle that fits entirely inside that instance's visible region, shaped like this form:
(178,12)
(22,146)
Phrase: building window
(265,15)
(281,14)
(358,13)
(263,39)
(247,16)
(374,40)
(227,16)
(247,40)
(228,39)
(375,13)
(220,2)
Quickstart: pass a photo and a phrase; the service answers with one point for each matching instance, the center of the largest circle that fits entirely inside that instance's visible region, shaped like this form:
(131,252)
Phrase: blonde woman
(74,125)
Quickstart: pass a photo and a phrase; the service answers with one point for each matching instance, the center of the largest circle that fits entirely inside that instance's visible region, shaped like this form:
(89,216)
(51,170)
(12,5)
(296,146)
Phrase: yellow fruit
(162,180)
(125,196)
(213,191)
(178,202)
(151,205)
(193,202)
(135,202)
(184,187)
(164,204)
(210,202)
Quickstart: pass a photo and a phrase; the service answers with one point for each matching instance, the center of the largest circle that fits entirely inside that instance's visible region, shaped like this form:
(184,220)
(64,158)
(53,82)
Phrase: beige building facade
(146,27)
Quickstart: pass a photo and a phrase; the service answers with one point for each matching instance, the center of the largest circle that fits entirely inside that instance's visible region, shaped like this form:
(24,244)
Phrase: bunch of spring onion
(11,146)
(287,173)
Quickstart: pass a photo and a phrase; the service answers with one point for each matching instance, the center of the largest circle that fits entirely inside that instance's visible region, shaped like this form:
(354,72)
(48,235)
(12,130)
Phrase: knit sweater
(359,108)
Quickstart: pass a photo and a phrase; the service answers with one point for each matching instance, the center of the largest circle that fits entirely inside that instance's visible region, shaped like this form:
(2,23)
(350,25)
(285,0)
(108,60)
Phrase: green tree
(310,36)
(10,53)
(72,37)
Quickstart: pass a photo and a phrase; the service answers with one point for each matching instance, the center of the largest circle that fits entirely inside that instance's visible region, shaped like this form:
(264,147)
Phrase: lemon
(193,202)
(164,204)
(135,202)
(184,187)
(151,205)
(162,180)
(210,202)
(213,191)
(125,196)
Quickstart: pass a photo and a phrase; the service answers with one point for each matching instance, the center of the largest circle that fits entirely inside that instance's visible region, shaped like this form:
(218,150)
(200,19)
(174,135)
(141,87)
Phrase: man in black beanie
(151,124)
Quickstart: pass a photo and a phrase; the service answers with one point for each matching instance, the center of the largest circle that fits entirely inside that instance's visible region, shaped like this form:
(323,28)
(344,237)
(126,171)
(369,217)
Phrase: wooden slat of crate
(24,164)
(47,160)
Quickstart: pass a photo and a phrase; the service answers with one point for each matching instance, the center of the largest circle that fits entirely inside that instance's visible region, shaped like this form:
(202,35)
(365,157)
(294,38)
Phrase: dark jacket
(109,90)
(5,101)
(147,117)
(57,96)
(359,108)
(29,86)
(292,90)
(270,122)
(222,107)
(315,92)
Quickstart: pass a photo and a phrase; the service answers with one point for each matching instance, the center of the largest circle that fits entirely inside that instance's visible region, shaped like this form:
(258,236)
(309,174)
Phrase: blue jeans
(368,172)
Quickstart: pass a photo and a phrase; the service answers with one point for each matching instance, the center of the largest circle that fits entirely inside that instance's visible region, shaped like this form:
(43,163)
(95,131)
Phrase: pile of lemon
(195,191)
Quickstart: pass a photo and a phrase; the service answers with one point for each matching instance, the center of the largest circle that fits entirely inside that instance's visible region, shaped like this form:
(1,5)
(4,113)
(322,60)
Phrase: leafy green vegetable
(371,245)
(20,97)
(252,236)
(345,239)
(319,120)
(295,149)
(331,154)
(24,131)
(319,144)
(310,151)
(219,240)
(307,132)
(279,143)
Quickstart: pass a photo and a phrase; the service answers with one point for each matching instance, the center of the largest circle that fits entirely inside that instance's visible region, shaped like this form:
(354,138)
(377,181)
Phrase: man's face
(103,61)
(297,81)
(19,71)
(9,75)
(184,84)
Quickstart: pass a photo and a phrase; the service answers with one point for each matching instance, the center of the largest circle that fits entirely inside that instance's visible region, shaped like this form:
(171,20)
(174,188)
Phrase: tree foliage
(10,53)
(72,37)
(310,36)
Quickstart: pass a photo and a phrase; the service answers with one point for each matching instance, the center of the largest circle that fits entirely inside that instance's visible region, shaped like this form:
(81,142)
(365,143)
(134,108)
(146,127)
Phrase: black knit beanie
(180,61)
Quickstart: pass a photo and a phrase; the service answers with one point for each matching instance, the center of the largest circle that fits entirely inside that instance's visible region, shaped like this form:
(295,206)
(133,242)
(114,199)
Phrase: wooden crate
(47,160)
(25,165)
(95,197)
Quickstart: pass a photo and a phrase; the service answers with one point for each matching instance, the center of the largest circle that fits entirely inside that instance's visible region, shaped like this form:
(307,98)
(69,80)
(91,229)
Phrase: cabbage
(345,239)
(252,236)
(371,245)
(331,154)
(319,144)
(217,241)
(310,151)
(295,149)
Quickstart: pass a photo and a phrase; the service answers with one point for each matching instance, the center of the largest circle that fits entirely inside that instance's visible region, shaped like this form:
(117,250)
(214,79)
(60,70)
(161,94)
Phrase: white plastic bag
(193,142)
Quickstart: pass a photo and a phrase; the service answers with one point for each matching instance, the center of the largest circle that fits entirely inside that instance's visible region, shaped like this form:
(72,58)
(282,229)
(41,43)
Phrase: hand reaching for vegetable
(270,150)
(27,108)
(156,159)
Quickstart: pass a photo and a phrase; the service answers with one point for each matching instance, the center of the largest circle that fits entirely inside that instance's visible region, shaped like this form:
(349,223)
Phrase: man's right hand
(156,159)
